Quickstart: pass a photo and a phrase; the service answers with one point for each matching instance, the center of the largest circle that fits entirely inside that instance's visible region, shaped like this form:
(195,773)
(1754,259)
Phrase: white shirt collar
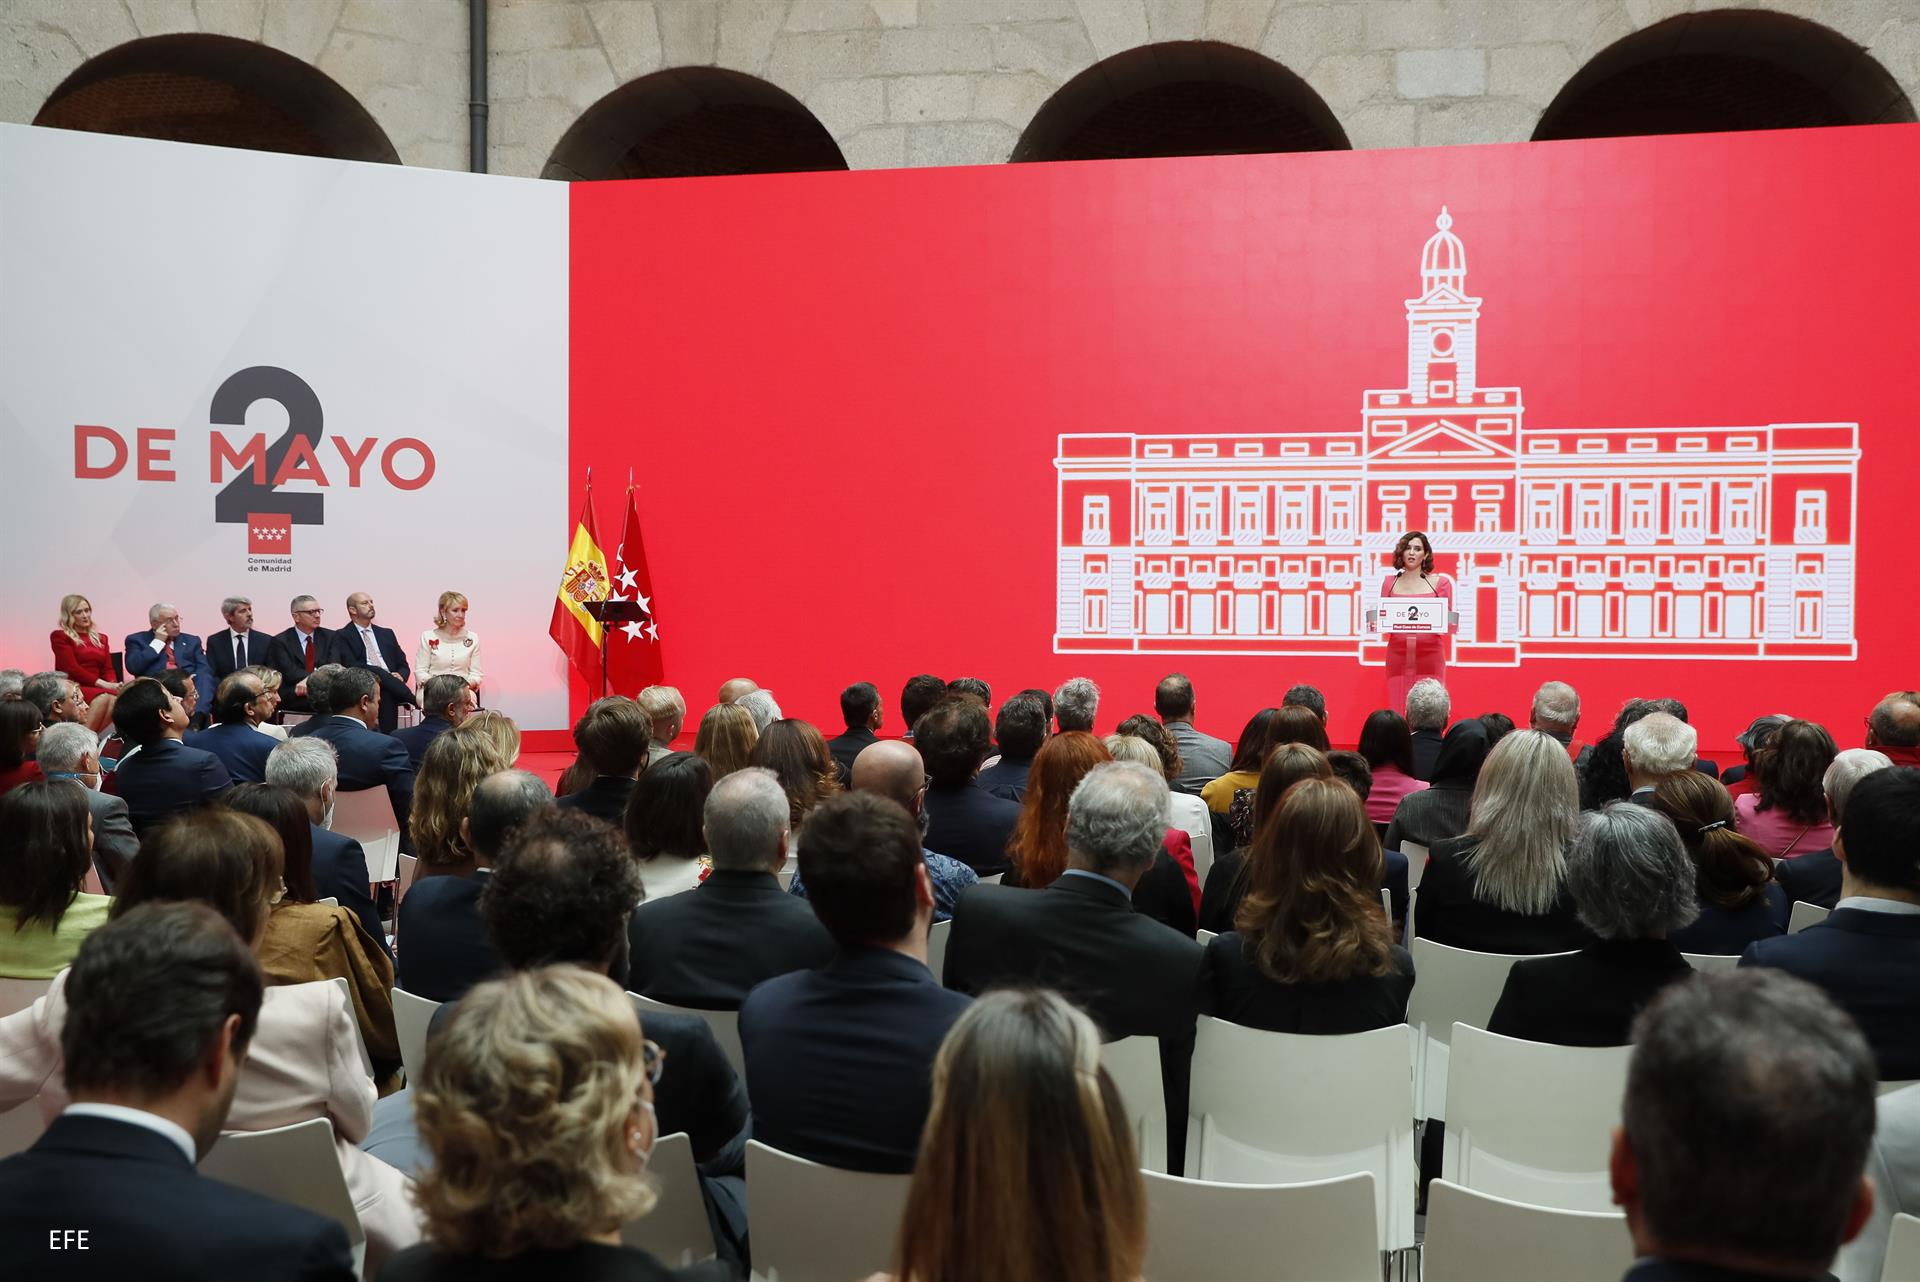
(1873,904)
(138,1117)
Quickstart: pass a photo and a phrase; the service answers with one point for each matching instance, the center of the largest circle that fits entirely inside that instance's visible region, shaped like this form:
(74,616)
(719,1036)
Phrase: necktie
(306,646)
(373,650)
(169,653)
(239,650)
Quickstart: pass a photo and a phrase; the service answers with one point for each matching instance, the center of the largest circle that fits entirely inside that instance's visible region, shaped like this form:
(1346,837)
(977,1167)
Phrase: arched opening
(1726,70)
(219,91)
(694,122)
(1181,98)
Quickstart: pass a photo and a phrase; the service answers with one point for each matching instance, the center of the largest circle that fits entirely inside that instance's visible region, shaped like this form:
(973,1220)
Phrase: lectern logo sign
(1624,542)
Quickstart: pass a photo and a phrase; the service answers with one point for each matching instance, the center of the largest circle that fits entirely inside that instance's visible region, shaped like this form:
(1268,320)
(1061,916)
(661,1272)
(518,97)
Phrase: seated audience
(1556,712)
(1038,848)
(19,737)
(1786,813)
(318,699)
(1678,711)
(306,766)
(919,695)
(496,728)
(56,695)
(181,685)
(1351,769)
(1228,879)
(242,749)
(1866,955)
(159,776)
(860,710)
(537,1103)
(1203,758)
(445,701)
(1020,728)
(1081,935)
(1428,707)
(1291,723)
(663,824)
(840,1059)
(159,1012)
(81,651)
(266,710)
(734,687)
(612,735)
(708,947)
(1075,704)
(304,940)
(1387,744)
(1020,1073)
(1632,885)
(1739,899)
(367,758)
(1501,887)
(964,820)
(1720,1062)
(70,751)
(1894,727)
(893,770)
(1813,878)
(1311,950)
(46,847)
(1309,697)
(667,713)
(1653,747)
(444,948)
(1440,811)
(1168,892)
(797,754)
(975,688)
(1739,779)
(725,739)
(1243,774)
(163,648)
(762,707)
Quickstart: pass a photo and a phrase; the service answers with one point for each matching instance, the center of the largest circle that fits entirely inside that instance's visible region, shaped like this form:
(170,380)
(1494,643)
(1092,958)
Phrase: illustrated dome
(1444,260)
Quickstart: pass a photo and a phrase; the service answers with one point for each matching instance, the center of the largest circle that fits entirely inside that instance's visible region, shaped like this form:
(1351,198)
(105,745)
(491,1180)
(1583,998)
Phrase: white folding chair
(1533,1122)
(1804,915)
(1455,986)
(1198,1231)
(1190,815)
(937,936)
(1134,1065)
(411,1018)
(676,1231)
(331,901)
(1386,903)
(1476,1237)
(724,1023)
(1205,936)
(1281,1108)
(1709,963)
(1416,863)
(18,994)
(993,880)
(1889,1087)
(367,817)
(409,869)
(359,1038)
(297,1164)
(814,1223)
(1903,1250)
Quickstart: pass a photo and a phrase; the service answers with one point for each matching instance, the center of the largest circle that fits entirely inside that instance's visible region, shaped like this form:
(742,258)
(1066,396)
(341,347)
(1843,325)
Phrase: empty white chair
(297,1164)
(1711,962)
(18,994)
(1533,1122)
(1322,1231)
(1476,1237)
(676,1231)
(1279,1108)
(1416,863)
(411,1017)
(724,1023)
(814,1223)
(1903,1250)
(1134,1065)
(1453,986)
(937,937)
(367,817)
(1804,915)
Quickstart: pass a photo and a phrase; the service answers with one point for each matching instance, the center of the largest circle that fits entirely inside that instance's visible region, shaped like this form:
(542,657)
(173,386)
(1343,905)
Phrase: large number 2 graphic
(245,495)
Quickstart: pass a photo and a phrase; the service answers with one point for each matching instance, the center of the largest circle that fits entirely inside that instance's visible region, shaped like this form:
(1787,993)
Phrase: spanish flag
(585,579)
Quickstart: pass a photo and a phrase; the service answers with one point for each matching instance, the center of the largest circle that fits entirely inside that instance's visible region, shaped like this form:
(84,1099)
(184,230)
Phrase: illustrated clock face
(1443,342)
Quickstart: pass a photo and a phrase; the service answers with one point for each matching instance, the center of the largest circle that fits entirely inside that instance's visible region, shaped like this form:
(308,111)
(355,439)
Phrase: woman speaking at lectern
(1414,657)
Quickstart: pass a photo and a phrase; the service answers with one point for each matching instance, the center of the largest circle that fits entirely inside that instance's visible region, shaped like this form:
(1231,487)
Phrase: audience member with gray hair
(56,695)
(1740,1083)
(310,767)
(760,705)
(11,679)
(1135,976)
(1632,882)
(1815,878)
(1428,707)
(1556,711)
(707,947)
(319,699)
(68,750)
(1075,704)
(1657,744)
(668,712)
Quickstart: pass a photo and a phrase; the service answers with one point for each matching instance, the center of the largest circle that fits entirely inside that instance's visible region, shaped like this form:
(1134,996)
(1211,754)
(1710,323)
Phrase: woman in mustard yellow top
(46,849)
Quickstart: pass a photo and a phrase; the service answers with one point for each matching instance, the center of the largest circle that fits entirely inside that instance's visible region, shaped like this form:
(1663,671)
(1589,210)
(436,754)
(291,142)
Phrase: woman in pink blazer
(1414,658)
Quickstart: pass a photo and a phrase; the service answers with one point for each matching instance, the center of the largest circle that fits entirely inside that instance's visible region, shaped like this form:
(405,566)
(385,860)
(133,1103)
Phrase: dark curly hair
(561,890)
(1406,540)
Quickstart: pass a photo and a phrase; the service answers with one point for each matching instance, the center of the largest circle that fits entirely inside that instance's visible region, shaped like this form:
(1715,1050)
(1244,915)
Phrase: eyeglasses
(654,1059)
(312,611)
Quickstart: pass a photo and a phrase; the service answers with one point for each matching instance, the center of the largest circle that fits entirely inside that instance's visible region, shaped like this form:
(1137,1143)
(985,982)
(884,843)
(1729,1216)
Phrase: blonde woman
(497,728)
(726,739)
(452,768)
(449,645)
(537,1104)
(267,706)
(81,650)
(1018,1075)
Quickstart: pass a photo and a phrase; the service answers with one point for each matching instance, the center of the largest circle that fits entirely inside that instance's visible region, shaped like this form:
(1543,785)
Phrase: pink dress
(1778,833)
(1415,658)
(1390,784)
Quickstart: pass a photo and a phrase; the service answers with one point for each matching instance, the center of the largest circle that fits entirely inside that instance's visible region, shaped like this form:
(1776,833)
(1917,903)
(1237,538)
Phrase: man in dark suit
(708,946)
(860,709)
(964,820)
(56,695)
(1203,758)
(160,776)
(840,1059)
(368,759)
(310,768)
(1082,937)
(446,700)
(1655,746)
(68,750)
(237,645)
(1428,707)
(319,700)
(1741,1081)
(1020,727)
(299,650)
(448,950)
(1866,955)
(160,1007)
(241,748)
(612,736)
(162,646)
(364,644)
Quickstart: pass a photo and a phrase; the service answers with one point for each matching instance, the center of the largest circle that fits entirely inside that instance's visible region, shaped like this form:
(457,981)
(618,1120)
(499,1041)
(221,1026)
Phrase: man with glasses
(299,650)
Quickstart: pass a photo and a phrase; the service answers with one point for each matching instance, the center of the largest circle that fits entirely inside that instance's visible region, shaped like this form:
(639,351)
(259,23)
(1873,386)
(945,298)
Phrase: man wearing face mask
(68,750)
(310,767)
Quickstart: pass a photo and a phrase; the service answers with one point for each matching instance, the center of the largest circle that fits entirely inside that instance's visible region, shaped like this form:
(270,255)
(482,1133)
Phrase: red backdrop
(841,393)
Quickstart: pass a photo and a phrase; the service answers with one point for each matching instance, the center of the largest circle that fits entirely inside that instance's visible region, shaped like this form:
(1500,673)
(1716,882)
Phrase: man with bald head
(1893,727)
(893,770)
(734,687)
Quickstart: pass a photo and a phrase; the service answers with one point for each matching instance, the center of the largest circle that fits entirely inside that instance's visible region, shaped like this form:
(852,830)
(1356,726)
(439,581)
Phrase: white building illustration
(1659,543)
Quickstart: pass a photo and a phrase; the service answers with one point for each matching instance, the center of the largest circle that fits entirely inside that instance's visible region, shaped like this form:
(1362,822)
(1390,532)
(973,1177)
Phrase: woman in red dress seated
(80,651)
